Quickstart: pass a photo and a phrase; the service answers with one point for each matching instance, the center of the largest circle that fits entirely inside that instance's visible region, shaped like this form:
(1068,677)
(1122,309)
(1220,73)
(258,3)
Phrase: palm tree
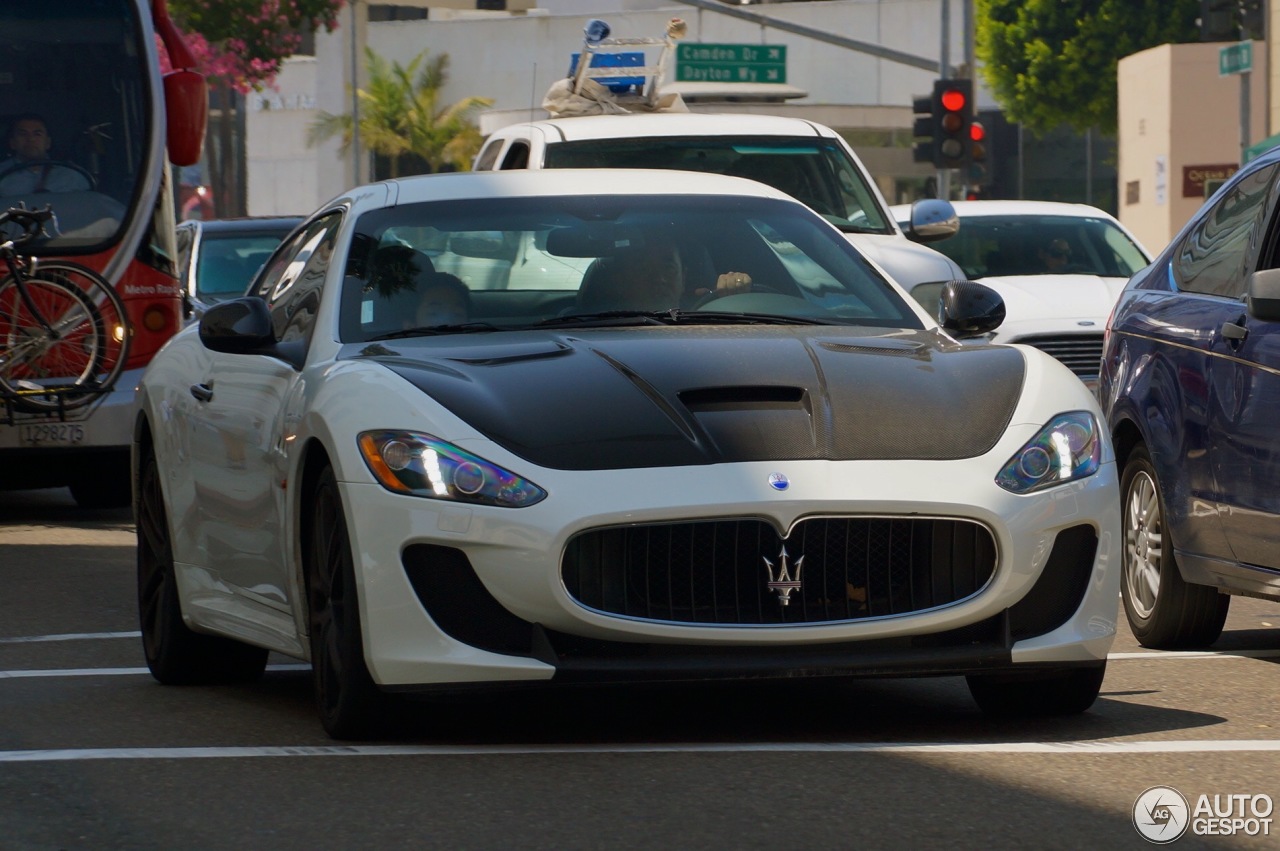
(400,115)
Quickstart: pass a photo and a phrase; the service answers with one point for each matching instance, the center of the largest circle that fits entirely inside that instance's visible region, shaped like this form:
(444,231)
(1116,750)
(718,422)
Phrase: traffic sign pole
(1237,59)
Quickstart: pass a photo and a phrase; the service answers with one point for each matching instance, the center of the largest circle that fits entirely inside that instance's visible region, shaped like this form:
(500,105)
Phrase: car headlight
(421,465)
(1063,451)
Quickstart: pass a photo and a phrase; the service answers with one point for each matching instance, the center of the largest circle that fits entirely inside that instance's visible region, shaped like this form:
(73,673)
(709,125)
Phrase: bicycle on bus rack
(64,336)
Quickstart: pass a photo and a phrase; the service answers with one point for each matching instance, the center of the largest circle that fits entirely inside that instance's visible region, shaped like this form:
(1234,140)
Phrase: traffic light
(922,150)
(979,173)
(952,120)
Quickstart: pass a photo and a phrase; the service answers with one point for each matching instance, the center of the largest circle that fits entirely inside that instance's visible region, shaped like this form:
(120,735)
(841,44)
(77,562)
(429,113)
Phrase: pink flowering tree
(239,46)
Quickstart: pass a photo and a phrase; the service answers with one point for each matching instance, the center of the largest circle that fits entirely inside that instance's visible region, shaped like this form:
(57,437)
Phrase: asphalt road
(95,755)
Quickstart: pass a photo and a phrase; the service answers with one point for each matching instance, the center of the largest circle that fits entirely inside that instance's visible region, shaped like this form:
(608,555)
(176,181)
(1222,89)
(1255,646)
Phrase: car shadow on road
(844,711)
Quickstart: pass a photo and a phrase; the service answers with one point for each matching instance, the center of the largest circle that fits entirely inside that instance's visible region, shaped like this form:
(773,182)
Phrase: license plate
(51,434)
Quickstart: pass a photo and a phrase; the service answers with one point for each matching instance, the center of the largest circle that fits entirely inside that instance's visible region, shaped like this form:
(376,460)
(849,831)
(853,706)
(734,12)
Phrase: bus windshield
(75,107)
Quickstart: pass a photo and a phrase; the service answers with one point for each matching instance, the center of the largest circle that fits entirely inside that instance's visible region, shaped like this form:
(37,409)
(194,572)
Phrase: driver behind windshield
(30,170)
(647,278)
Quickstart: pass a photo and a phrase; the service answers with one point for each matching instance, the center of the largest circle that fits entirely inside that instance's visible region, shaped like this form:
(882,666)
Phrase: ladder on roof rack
(622,70)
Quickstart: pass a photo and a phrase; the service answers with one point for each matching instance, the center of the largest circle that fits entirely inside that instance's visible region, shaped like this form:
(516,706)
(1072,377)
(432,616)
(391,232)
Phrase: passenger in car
(1055,256)
(443,299)
(648,278)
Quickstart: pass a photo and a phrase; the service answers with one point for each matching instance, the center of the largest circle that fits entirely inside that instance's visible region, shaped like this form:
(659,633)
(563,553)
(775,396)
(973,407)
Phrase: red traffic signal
(952,122)
(954,100)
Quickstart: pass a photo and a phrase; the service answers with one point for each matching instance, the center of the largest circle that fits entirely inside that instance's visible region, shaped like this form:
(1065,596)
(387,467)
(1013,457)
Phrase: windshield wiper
(614,317)
(431,330)
(711,317)
(682,317)
(845,227)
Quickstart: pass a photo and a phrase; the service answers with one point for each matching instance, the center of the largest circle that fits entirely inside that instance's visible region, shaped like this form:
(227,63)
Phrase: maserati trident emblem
(781,580)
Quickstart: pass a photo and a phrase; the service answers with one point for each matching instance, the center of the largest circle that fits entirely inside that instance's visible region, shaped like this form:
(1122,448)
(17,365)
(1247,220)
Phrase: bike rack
(14,411)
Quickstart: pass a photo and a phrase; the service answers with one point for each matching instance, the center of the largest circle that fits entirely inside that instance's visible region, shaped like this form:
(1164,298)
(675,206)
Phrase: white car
(736,451)
(807,160)
(1059,268)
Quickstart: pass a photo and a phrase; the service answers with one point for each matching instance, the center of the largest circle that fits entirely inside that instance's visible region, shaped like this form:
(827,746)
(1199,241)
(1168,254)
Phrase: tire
(175,654)
(105,485)
(1069,691)
(349,703)
(89,353)
(1164,611)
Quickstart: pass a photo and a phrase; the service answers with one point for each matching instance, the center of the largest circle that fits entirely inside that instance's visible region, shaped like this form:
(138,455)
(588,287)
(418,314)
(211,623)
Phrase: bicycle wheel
(83,356)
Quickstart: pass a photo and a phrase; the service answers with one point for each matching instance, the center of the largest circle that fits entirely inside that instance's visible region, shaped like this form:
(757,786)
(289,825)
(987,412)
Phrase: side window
(517,156)
(1212,257)
(185,237)
(488,156)
(294,279)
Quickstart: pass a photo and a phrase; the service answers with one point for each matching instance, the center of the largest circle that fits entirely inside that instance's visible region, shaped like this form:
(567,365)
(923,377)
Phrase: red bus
(90,126)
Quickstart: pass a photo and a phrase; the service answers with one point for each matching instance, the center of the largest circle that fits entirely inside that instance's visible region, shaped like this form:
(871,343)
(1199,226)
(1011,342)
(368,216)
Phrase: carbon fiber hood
(657,397)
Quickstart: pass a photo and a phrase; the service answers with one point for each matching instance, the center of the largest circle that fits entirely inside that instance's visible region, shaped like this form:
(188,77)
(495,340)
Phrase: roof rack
(623,72)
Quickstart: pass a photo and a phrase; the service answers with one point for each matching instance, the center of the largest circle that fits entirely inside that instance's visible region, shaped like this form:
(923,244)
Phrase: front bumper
(452,594)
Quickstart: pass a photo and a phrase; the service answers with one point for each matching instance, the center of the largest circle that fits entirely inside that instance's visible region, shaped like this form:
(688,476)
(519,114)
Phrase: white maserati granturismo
(698,437)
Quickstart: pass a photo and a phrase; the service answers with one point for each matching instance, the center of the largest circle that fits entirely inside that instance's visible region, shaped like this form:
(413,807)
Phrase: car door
(1210,267)
(249,411)
(1244,411)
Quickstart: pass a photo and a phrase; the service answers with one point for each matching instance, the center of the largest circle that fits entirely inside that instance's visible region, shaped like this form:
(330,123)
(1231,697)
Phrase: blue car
(1190,384)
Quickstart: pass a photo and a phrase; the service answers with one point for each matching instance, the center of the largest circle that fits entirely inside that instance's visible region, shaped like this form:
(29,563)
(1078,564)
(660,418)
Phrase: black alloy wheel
(349,703)
(175,654)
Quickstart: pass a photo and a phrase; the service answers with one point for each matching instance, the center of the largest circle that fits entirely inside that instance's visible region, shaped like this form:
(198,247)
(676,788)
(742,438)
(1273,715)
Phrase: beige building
(1180,128)
(1179,132)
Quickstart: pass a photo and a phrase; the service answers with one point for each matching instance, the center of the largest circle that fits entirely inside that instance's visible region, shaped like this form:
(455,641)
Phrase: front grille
(714,572)
(1082,353)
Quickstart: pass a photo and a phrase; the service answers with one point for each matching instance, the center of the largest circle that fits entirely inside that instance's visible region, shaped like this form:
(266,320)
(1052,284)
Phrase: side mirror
(969,309)
(186,103)
(1263,295)
(239,327)
(932,219)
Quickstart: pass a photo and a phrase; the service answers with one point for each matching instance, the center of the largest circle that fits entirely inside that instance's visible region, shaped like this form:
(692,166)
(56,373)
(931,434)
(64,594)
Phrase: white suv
(806,160)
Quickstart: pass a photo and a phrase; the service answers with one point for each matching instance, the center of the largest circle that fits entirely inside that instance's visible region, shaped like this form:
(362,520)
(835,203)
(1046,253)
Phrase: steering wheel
(19,166)
(716,295)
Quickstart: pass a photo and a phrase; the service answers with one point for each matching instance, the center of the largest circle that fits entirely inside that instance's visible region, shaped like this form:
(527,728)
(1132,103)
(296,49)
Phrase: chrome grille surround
(714,572)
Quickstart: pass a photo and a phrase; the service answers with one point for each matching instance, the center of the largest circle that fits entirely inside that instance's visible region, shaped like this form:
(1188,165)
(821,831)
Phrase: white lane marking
(68,636)
(1198,654)
(67,536)
(114,672)
(1086,747)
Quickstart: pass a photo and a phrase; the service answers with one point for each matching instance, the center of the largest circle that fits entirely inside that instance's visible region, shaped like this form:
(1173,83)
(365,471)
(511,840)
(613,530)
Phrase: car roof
(1025,208)
(602,181)
(634,125)
(245,224)
(975,209)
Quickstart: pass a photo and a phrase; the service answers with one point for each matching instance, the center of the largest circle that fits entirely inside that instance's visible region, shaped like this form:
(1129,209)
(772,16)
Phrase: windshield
(227,262)
(509,263)
(75,112)
(993,246)
(818,172)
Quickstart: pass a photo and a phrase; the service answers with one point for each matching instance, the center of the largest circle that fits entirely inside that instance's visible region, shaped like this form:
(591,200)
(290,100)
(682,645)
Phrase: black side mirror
(1264,295)
(240,326)
(932,219)
(969,309)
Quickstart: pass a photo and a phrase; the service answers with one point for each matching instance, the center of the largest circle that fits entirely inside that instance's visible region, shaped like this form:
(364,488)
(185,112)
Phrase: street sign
(731,63)
(1235,59)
